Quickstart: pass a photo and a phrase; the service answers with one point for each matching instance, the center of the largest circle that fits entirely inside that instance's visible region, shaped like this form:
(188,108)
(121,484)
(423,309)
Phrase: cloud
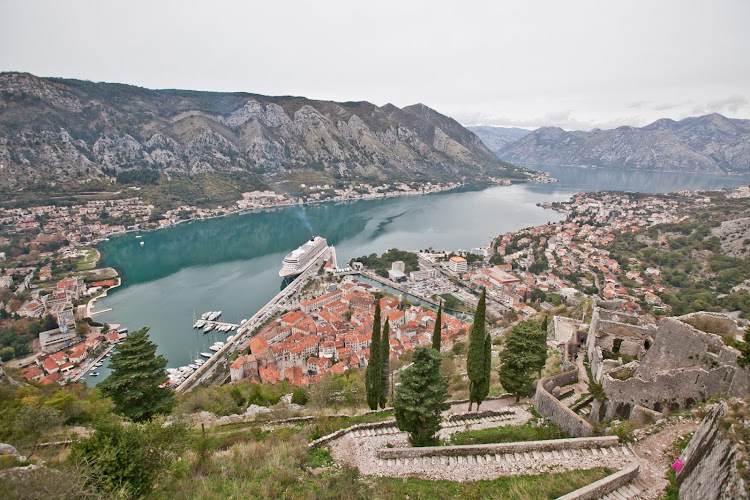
(667,105)
(637,104)
(732,104)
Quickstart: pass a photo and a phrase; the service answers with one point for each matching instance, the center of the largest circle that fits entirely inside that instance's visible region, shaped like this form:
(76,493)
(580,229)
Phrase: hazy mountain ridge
(73,130)
(711,144)
(498,138)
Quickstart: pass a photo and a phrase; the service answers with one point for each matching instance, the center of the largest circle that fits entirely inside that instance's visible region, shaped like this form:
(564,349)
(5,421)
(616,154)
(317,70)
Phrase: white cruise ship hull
(297,261)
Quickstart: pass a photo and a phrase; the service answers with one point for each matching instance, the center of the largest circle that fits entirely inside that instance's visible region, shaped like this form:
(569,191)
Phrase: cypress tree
(137,373)
(475,360)
(421,396)
(373,371)
(437,332)
(385,360)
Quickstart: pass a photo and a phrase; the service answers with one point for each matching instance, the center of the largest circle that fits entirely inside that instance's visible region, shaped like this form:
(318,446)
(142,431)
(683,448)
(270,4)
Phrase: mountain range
(73,131)
(710,144)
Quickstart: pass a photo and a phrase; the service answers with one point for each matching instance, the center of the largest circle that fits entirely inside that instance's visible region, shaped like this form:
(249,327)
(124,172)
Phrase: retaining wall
(603,486)
(498,448)
(341,432)
(549,406)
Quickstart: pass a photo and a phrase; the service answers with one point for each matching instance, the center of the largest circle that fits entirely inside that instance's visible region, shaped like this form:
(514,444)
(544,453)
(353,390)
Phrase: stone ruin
(683,365)
(615,338)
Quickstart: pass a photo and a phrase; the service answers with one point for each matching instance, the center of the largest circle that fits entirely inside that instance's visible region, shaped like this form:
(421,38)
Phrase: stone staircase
(467,463)
(469,420)
(452,424)
(380,431)
(625,484)
(570,400)
(628,491)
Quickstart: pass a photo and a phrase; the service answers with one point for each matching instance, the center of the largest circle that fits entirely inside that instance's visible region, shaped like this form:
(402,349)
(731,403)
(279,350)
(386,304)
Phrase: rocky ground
(735,237)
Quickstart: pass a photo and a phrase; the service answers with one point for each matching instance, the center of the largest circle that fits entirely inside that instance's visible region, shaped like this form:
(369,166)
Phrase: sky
(573,64)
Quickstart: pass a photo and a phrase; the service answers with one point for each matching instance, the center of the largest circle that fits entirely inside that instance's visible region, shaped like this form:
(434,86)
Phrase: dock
(216,324)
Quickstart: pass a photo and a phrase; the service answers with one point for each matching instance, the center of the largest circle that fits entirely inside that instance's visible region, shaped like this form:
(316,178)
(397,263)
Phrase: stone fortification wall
(678,345)
(549,406)
(671,390)
(710,469)
(684,366)
(634,340)
(636,330)
(499,448)
(603,486)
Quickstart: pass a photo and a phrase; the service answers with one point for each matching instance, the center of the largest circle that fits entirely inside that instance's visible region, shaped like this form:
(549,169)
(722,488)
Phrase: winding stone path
(371,451)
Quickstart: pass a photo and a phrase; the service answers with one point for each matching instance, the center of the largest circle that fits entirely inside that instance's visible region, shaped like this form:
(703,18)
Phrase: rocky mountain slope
(498,138)
(72,131)
(711,143)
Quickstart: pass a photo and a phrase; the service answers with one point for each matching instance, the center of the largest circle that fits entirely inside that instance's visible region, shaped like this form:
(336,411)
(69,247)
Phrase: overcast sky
(576,65)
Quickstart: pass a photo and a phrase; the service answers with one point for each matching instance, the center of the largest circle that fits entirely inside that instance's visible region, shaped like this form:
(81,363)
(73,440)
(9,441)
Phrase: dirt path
(654,462)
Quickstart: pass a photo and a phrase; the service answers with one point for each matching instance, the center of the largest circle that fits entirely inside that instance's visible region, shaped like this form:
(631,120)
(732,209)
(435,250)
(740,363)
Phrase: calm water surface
(231,263)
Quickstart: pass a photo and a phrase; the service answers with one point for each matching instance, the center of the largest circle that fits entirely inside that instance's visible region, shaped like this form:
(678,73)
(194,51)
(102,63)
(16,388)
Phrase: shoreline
(102,253)
(94,243)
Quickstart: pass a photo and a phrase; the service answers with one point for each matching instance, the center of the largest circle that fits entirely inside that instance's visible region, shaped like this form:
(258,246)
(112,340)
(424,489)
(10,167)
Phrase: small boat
(94,374)
(205,315)
(194,367)
(208,327)
(215,348)
(141,243)
(98,364)
(138,237)
(206,355)
(107,355)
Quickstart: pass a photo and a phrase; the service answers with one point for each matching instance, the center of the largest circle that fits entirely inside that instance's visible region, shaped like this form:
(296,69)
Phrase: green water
(231,264)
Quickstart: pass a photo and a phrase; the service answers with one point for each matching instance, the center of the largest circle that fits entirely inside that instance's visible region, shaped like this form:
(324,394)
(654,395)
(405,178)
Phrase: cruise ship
(300,259)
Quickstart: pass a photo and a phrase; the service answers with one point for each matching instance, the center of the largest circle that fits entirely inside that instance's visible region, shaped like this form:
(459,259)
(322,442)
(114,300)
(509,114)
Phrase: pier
(215,325)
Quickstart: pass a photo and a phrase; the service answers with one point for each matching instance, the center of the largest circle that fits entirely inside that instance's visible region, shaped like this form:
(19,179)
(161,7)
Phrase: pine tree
(385,361)
(517,363)
(136,375)
(744,347)
(537,354)
(437,332)
(475,361)
(421,396)
(373,371)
